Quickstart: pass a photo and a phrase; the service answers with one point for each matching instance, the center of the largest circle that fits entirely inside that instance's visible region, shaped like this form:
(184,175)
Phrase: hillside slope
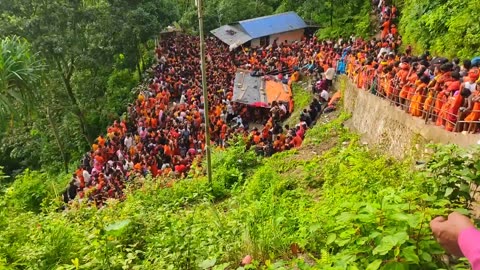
(332,204)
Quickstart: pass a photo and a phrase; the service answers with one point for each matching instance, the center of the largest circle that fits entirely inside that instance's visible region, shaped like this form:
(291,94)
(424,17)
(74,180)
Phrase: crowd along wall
(390,128)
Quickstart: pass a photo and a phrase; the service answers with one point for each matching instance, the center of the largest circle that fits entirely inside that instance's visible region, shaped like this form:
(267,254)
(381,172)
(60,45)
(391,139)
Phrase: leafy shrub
(31,188)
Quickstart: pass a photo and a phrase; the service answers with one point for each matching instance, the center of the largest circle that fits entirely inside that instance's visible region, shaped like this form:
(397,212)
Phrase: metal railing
(426,102)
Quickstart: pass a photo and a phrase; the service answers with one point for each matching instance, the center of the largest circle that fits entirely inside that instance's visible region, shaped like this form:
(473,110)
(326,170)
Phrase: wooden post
(205,90)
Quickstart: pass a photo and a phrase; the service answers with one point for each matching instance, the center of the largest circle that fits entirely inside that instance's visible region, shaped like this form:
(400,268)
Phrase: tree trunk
(79,112)
(57,139)
(331,13)
(139,68)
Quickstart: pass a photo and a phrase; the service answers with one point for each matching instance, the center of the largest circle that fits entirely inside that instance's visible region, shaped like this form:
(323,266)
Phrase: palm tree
(19,72)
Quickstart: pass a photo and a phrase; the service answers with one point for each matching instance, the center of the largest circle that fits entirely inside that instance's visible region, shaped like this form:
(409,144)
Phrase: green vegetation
(333,204)
(67,70)
(302,96)
(92,54)
(447,28)
(335,18)
(18,74)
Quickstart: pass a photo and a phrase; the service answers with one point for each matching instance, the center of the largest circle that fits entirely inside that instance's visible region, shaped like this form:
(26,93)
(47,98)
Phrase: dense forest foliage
(446,27)
(89,55)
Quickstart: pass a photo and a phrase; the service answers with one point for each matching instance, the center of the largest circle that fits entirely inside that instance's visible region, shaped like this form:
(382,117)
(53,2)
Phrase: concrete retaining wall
(390,128)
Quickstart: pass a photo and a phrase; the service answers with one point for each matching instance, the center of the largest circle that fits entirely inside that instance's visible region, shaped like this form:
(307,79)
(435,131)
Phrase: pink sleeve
(469,242)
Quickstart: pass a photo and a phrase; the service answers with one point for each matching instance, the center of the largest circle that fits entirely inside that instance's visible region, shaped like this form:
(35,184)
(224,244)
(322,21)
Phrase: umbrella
(260,104)
(439,61)
(476,61)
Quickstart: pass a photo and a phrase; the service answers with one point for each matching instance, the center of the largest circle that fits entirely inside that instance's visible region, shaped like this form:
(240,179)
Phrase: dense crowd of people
(164,131)
(436,89)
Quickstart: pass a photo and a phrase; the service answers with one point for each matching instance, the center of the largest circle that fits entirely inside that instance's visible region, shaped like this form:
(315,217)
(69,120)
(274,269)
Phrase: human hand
(446,231)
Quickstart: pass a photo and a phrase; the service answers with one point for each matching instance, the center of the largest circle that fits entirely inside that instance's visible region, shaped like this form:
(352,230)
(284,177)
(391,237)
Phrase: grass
(302,96)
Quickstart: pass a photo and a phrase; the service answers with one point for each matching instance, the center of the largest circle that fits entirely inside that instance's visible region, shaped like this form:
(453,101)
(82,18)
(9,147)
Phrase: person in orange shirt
(448,100)
(403,83)
(386,29)
(456,102)
(256,137)
(296,141)
(471,119)
(416,104)
(223,134)
(439,87)
(101,141)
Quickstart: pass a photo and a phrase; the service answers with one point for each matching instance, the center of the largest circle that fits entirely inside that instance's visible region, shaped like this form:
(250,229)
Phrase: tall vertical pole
(205,90)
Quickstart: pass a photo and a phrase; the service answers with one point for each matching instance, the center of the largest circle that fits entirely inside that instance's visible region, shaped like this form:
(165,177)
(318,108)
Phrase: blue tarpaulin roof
(273,24)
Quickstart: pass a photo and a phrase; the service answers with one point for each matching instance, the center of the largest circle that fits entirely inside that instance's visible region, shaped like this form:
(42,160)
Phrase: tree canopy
(19,71)
(446,28)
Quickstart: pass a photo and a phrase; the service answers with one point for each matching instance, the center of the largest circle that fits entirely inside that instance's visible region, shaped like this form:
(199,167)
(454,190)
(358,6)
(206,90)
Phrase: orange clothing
(442,113)
(335,98)
(416,105)
(452,114)
(256,139)
(475,114)
(101,141)
(137,167)
(386,28)
(297,141)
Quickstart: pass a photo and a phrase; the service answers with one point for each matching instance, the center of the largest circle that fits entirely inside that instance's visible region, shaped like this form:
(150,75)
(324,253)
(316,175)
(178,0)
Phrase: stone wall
(390,128)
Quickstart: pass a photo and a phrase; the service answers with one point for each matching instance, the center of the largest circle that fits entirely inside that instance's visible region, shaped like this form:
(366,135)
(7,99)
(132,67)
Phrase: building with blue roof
(285,27)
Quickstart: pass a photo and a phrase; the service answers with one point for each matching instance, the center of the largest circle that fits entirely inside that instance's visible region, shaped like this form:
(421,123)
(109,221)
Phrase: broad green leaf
(386,244)
(409,254)
(342,242)
(374,265)
(400,237)
(207,263)
(426,256)
(448,192)
(222,266)
(117,228)
(395,266)
(331,238)
(462,211)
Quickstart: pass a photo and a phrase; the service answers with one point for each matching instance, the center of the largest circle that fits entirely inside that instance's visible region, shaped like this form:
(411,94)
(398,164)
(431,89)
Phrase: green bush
(31,188)
(446,28)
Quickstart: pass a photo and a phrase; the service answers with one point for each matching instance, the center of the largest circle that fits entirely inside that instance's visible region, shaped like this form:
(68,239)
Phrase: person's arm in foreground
(458,236)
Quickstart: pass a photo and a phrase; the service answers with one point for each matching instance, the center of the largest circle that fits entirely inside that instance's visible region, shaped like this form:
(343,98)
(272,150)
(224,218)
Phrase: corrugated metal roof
(231,34)
(273,24)
(248,89)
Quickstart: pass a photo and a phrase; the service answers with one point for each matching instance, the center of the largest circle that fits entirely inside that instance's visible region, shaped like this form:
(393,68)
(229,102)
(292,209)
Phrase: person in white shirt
(128,141)
(324,95)
(329,74)
(283,108)
(86,176)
